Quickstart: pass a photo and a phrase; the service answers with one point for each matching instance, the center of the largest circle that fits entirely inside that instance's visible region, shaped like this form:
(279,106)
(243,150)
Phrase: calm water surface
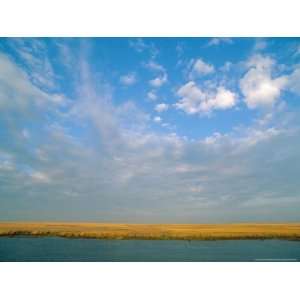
(62,249)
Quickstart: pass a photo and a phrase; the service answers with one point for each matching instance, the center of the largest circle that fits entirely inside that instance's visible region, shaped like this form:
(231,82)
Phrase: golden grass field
(153,231)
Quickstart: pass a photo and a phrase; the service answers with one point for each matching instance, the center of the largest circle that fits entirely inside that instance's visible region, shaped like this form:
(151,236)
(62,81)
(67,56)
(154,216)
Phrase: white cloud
(161,107)
(196,189)
(159,81)
(154,66)
(162,77)
(202,68)
(194,100)
(128,79)
(218,41)
(297,51)
(179,49)
(66,56)
(223,99)
(25,133)
(260,44)
(157,119)
(152,96)
(17,91)
(212,139)
(139,45)
(33,53)
(226,67)
(258,86)
(6,162)
(255,136)
(244,139)
(40,177)
(167,125)
(294,81)
(192,97)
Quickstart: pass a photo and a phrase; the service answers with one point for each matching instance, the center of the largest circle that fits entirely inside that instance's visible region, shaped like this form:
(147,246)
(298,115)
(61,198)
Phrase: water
(62,249)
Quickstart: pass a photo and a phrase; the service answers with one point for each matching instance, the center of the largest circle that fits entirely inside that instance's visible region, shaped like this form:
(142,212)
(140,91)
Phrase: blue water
(62,249)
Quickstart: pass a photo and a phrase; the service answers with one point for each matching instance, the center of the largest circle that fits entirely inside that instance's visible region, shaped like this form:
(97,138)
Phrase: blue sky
(150,129)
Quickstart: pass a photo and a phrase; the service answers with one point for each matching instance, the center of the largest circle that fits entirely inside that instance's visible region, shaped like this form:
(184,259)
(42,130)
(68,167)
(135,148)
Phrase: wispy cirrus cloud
(141,45)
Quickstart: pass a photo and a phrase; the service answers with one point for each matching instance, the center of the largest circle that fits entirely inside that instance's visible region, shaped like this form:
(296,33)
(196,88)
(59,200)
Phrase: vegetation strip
(288,231)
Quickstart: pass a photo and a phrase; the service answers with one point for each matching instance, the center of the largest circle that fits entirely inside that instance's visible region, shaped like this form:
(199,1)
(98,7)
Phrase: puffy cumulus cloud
(200,68)
(192,97)
(161,107)
(218,41)
(159,81)
(196,101)
(128,79)
(259,87)
(223,99)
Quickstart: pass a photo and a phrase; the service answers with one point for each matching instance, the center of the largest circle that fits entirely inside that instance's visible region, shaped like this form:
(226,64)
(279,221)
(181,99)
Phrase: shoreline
(207,239)
(188,232)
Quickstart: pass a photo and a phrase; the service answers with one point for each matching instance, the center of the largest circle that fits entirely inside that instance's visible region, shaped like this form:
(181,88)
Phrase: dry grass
(154,231)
